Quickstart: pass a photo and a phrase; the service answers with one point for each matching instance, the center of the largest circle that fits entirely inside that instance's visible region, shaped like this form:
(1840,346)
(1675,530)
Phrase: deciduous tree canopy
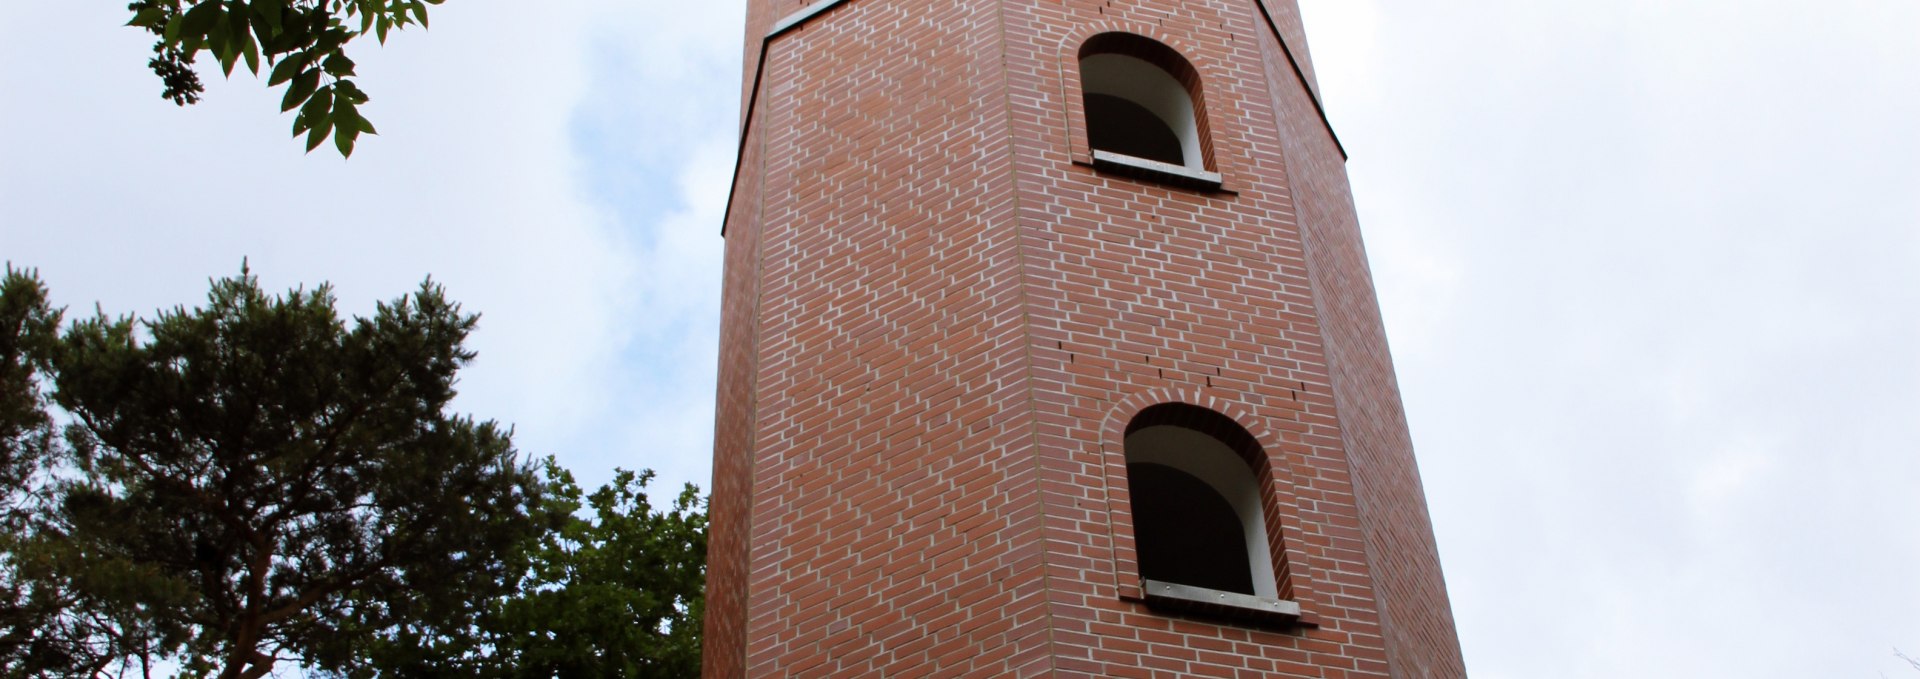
(613,593)
(303,41)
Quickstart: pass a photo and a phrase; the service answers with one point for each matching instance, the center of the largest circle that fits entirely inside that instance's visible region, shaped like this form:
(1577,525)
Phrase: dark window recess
(1117,125)
(1184,532)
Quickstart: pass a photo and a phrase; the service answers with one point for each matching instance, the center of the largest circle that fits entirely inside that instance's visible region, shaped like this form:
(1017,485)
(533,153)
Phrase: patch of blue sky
(645,139)
(638,124)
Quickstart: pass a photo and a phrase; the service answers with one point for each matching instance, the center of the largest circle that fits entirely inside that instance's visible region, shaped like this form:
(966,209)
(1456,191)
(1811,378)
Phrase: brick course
(939,320)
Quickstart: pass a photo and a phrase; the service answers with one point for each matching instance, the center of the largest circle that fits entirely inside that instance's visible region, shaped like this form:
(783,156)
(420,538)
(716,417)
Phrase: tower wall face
(886,457)
(1416,616)
(939,318)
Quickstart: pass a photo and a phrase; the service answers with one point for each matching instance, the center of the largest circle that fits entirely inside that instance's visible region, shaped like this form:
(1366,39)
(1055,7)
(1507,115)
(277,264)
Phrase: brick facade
(940,319)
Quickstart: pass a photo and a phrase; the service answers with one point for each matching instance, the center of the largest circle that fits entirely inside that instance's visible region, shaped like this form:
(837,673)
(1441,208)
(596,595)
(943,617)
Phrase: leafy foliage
(37,637)
(303,41)
(253,481)
(26,431)
(617,593)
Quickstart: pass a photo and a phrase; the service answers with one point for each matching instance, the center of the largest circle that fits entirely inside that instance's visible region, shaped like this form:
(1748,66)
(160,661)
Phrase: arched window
(1142,101)
(1199,512)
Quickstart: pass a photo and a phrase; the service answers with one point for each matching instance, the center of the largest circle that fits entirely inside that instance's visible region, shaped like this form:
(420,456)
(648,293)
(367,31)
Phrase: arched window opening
(1118,125)
(1199,518)
(1186,532)
(1142,99)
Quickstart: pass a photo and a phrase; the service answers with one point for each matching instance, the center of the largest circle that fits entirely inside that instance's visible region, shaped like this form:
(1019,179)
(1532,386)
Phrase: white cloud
(1651,273)
(483,176)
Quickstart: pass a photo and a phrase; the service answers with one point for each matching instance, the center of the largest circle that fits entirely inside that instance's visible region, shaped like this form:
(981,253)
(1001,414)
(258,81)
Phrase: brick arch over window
(1130,82)
(1198,506)
(1256,445)
(1205,421)
(1199,520)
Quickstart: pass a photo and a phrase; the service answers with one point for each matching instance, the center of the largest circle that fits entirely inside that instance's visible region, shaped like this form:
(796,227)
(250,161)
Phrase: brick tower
(1049,349)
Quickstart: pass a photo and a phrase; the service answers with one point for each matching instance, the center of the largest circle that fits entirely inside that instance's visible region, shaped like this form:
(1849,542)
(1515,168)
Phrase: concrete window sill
(1153,170)
(1217,604)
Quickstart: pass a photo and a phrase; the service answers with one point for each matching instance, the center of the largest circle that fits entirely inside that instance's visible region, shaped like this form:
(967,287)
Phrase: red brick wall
(724,638)
(1142,293)
(1286,20)
(1421,640)
(892,469)
(938,324)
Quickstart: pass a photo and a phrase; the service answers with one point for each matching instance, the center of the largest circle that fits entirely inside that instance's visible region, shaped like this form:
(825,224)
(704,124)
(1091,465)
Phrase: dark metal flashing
(1312,95)
(795,19)
(791,22)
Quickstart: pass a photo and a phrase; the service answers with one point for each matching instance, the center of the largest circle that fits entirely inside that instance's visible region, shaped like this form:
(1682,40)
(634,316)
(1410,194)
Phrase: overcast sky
(1651,272)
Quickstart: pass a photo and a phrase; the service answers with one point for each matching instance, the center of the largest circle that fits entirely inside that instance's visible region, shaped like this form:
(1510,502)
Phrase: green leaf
(420,12)
(217,34)
(317,108)
(266,14)
(251,52)
(318,134)
(240,40)
(285,71)
(238,24)
(350,91)
(331,39)
(174,26)
(344,133)
(257,20)
(149,17)
(338,65)
(228,53)
(303,87)
(197,21)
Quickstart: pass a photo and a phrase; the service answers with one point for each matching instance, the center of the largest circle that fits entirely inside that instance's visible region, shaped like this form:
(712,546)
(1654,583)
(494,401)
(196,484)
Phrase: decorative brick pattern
(1418,620)
(939,322)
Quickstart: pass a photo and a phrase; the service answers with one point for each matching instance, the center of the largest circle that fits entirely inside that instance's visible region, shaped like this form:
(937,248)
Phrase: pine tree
(255,482)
